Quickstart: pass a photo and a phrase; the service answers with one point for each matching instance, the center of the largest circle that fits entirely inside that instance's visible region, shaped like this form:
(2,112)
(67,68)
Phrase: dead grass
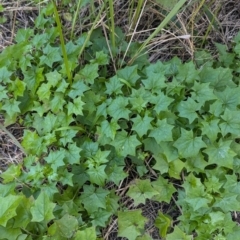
(205,22)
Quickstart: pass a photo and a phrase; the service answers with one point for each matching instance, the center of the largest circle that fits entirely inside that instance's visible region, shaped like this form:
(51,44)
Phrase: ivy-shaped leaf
(8,208)
(93,198)
(130,224)
(163,223)
(188,145)
(140,190)
(164,188)
(118,108)
(55,159)
(178,234)
(221,154)
(125,145)
(188,109)
(42,210)
(51,55)
(163,132)
(142,125)
(129,74)
(76,107)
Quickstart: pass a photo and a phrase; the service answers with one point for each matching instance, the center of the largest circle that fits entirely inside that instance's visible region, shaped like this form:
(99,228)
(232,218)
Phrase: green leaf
(24,216)
(17,87)
(142,125)
(210,129)
(202,92)
(118,108)
(216,108)
(12,172)
(67,136)
(65,177)
(11,107)
(178,234)
(162,222)
(164,188)
(187,109)
(51,55)
(44,92)
(3,93)
(23,35)
(144,237)
(33,77)
(161,102)
(130,224)
(115,173)
(76,107)
(53,78)
(188,145)
(227,203)
(163,132)
(101,58)
(129,74)
(5,75)
(187,72)
(161,163)
(72,154)
(221,154)
(93,198)
(66,226)
(229,97)
(155,82)
(77,89)
(231,122)
(8,208)
(97,175)
(86,234)
(100,218)
(32,143)
(57,102)
(217,77)
(125,145)
(113,86)
(89,73)
(109,128)
(42,210)
(55,159)
(10,233)
(140,190)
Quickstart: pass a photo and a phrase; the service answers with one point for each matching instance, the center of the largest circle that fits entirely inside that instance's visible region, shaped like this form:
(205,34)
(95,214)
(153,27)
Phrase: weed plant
(95,124)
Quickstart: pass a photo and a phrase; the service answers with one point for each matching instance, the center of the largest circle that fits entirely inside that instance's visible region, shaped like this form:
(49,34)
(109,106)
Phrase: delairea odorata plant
(178,124)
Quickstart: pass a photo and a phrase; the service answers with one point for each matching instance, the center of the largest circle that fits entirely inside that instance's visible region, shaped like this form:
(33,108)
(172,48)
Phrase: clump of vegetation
(102,123)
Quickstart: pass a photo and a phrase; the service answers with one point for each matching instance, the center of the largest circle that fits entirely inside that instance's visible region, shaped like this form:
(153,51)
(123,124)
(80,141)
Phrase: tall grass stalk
(112,24)
(136,15)
(65,57)
(138,19)
(75,18)
(96,20)
(166,20)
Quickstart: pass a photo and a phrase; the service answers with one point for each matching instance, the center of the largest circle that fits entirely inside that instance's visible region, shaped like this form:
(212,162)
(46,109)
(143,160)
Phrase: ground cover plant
(97,129)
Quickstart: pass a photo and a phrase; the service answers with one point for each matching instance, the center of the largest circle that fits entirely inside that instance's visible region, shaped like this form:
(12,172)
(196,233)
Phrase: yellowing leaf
(162,222)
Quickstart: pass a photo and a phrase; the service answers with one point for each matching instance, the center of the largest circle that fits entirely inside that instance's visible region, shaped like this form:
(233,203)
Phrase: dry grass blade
(13,138)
